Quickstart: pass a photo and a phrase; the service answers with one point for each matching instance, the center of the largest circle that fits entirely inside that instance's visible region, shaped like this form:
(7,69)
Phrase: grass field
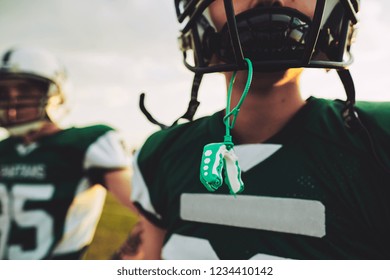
(114,225)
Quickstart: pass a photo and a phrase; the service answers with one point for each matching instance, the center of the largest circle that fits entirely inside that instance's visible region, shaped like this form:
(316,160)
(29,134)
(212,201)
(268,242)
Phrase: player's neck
(265,111)
(48,128)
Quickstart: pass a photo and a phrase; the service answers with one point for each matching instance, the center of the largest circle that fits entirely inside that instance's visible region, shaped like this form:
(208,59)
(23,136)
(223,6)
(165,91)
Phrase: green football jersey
(48,207)
(312,191)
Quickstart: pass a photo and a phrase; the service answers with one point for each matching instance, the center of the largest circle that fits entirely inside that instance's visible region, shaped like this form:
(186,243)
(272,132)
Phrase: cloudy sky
(116,49)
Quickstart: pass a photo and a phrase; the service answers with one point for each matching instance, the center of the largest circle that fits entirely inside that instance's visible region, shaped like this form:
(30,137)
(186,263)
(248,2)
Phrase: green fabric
(55,165)
(320,160)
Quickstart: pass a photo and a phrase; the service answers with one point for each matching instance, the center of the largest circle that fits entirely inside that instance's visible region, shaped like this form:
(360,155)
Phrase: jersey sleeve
(377,113)
(141,195)
(156,167)
(107,152)
(375,117)
(148,183)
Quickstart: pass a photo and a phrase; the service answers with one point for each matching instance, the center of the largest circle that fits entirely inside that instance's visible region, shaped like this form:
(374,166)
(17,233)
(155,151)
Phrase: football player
(50,177)
(315,172)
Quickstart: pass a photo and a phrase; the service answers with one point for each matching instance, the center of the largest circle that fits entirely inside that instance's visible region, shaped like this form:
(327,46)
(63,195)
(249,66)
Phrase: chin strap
(191,110)
(147,114)
(194,103)
(351,117)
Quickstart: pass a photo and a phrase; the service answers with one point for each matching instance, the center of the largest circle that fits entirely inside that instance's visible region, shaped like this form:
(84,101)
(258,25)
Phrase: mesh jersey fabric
(312,191)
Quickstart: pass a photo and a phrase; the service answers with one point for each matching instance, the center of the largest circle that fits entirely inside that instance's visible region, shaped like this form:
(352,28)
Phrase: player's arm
(144,242)
(152,238)
(107,162)
(118,183)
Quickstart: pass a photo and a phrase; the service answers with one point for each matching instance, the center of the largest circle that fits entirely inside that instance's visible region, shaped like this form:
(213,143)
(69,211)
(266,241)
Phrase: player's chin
(274,78)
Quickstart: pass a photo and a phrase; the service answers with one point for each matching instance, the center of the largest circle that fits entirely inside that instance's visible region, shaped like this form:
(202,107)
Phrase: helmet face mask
(31,83)
(22,101)
(273,38)
(266,35)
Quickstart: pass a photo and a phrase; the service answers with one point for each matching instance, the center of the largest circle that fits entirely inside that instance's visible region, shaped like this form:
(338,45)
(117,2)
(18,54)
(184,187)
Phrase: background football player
(315,171)
(50,193)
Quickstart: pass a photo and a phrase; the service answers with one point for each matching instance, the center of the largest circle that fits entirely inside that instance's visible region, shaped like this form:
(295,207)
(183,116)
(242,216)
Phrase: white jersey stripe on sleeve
(82,218)
(107,152)
(140,192)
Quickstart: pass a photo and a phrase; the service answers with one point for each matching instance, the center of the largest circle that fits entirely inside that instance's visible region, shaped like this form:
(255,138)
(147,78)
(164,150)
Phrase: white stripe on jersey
(266,257)
(82,218)
(106,152)
(288,215)
(180,247)
(250,155)
(140,192)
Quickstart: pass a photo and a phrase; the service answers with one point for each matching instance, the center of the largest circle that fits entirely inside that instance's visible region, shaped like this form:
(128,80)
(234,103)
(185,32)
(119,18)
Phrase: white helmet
(34,64)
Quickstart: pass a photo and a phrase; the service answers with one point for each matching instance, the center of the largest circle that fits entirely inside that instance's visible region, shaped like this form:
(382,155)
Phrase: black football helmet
(273,38)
